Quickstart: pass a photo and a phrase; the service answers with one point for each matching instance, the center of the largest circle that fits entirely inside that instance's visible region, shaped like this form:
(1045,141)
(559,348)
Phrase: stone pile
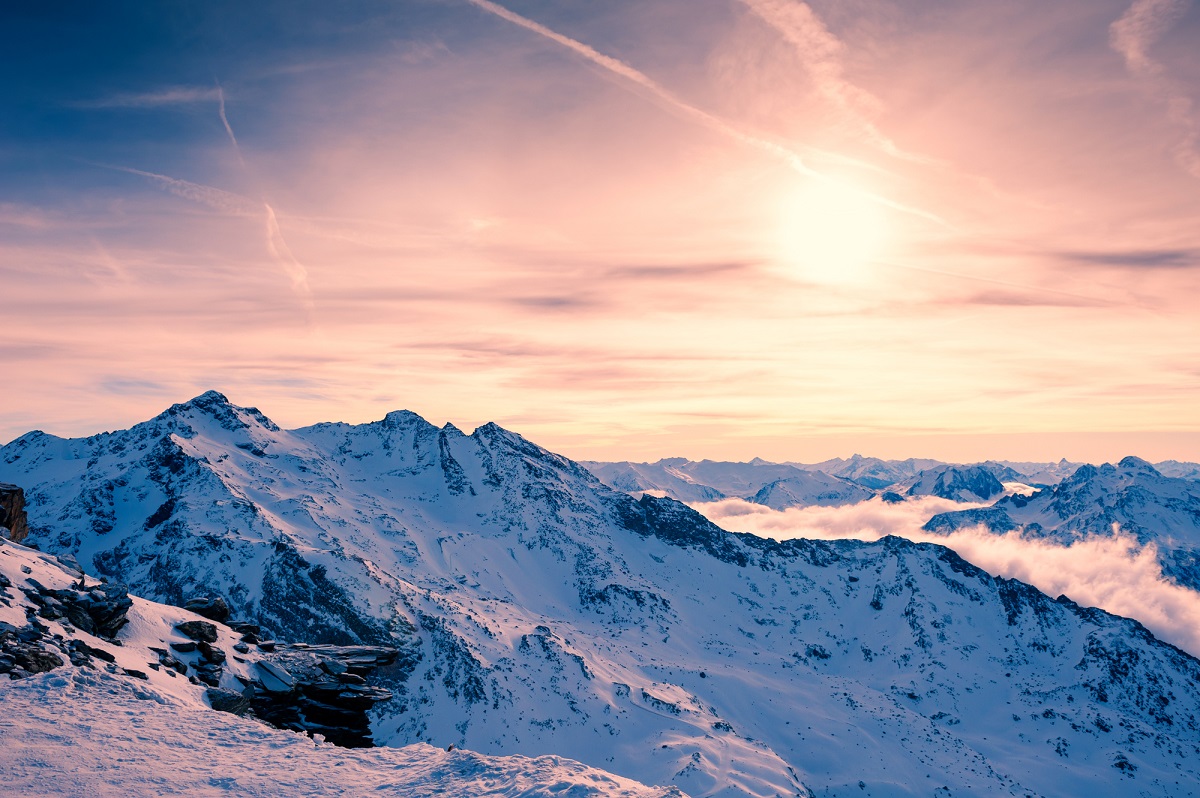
(99,610)
(322,689)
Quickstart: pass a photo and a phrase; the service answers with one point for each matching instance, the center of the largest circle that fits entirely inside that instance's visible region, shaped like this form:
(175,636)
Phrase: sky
(627,230)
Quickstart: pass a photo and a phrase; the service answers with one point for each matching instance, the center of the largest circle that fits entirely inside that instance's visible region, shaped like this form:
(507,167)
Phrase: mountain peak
(398,419)
(215,405)
(1132,463)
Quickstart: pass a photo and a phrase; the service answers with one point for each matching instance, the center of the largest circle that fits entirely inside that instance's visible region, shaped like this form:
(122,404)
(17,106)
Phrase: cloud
(821,53)
(688,111)
(1143,24)
(216,198)
(1139,29)
(1140,258)
(282,253)
(174,95)
(1114,572)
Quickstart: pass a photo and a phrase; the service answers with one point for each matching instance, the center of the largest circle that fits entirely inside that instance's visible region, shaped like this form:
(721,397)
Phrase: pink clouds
(586,220)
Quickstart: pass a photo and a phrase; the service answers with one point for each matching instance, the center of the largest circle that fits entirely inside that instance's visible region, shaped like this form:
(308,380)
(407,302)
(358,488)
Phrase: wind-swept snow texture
(547,613)
(78,732)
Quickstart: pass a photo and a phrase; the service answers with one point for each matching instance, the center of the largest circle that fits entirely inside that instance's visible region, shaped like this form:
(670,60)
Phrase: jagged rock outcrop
(99,610)
(13,521)
(322,690)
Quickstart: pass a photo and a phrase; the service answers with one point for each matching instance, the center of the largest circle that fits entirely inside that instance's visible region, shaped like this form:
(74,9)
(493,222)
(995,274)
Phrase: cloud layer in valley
(1114,573)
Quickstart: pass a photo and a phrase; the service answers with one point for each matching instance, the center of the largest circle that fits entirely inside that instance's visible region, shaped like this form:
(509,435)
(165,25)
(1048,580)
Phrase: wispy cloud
(174,95)
(1138,258)
(821,52)
(1140,27)
(236,205)
(282,254)
(228,128)
(216,198)
(1133,35)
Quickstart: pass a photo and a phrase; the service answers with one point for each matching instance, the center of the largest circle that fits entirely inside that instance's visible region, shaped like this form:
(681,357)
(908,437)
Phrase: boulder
(215,609)
(201,631)
(228,701)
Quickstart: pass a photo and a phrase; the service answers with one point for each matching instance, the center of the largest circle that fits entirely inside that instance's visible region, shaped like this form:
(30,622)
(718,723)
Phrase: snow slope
(97,730)
(1131,496)
(547,613)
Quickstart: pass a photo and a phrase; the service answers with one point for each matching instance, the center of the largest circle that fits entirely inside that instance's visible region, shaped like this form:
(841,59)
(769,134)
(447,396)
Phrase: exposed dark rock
(215,609)
(228,701)
(321,689)
(202,631)
(186,647)
(99,611)
(12,512)
(210,653)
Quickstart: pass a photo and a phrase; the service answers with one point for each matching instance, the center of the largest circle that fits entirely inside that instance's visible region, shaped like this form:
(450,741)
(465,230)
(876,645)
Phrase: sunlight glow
(830,232)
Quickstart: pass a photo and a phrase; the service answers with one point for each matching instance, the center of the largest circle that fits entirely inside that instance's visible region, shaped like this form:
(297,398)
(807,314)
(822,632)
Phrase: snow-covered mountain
(537,611)
(1131,496)
(1034,473)
(108,711)
(1175,468)
(871,471)
(977,483)
(775,485)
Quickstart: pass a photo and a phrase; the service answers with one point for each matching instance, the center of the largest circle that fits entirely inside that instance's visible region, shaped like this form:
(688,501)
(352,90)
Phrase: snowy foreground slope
(541,612)
(96,730)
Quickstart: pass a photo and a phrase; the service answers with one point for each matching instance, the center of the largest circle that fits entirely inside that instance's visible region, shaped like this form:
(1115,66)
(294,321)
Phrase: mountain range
(1132,497)
(535,610)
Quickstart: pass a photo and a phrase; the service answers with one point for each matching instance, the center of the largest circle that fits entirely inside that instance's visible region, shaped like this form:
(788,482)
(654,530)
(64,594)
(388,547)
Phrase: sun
(830,232)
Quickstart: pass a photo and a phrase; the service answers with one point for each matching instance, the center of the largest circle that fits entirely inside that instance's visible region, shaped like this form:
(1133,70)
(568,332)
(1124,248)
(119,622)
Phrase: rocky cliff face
(13,522)
(535,610)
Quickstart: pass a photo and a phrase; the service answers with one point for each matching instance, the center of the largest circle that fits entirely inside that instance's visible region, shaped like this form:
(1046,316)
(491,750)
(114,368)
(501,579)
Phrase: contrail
(820,52)
(225,121)
(688,110)
(215,198)
(277,245)
(283,256)
(237,205)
